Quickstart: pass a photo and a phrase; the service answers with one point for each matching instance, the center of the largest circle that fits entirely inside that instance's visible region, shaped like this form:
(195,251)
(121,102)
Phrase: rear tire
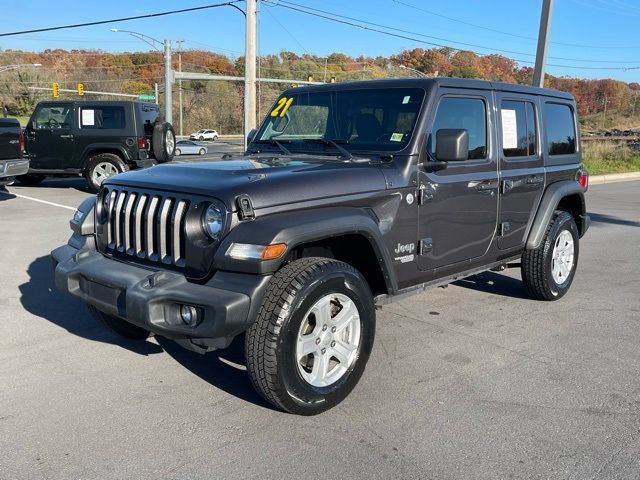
(178,152)
(163,142)
(302,355)
(100,167)
(120,327)
(202,151)
(548,271)
(30,179)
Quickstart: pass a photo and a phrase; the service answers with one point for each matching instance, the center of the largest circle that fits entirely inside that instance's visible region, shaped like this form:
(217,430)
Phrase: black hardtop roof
(428,83)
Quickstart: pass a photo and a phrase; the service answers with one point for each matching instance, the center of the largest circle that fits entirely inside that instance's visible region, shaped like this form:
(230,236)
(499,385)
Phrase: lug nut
(324,350)
(333,329)
(324,327)
(333,344)
(318,341)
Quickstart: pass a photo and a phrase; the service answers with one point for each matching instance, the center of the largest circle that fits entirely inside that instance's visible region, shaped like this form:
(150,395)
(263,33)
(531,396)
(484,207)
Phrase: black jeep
(348,197)
(96,139)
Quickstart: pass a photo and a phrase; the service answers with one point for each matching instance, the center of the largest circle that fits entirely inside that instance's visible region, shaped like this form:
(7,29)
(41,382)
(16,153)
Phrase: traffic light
(55,89)
(80,89)
(333,79)
(311,78)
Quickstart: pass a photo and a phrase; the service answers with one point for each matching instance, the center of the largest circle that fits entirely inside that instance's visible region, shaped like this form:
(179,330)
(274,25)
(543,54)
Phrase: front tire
(202,151)
(178,152)
(100,167)
(548,271)
(119,327)
(313,336)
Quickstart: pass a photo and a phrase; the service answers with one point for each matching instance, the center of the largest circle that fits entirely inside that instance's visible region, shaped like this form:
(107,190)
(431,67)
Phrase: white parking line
(37,200)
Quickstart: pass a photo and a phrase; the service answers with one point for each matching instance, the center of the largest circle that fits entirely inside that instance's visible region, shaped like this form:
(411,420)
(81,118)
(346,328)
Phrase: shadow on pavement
(224,369)
(40,297)
(76,183)
(5,195)
(602,218)
(496,284)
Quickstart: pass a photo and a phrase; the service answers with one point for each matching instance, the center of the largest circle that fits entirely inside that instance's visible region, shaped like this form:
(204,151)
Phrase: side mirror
(251,135)
(452,145)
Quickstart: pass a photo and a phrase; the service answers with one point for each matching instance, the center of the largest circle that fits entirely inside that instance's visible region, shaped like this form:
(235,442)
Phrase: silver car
(187,147)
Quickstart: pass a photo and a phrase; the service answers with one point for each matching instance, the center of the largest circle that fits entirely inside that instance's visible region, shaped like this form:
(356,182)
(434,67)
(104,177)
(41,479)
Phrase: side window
(518,128)
(102,117)
(52,117)
(467,113)
(560,128)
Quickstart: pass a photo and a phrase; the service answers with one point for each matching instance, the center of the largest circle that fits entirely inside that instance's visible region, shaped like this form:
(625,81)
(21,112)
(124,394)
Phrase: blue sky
(603,33)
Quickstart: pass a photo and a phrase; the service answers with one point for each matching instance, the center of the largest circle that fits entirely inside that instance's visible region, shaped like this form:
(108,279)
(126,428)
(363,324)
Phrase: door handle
(487,186)
(534,180)
(66,136)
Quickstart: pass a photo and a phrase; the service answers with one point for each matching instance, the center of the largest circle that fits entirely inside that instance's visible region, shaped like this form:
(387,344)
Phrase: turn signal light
(247,251)
(273,251)
(583,179)
(142,142)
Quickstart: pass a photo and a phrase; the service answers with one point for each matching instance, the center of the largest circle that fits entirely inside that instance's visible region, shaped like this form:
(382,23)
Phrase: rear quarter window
(560,129)
(102,118)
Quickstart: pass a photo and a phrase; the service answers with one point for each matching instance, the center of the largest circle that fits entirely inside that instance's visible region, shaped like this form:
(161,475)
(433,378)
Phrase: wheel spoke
(322,312)
(320,369)
(306,345)
(343,351)
(345,316)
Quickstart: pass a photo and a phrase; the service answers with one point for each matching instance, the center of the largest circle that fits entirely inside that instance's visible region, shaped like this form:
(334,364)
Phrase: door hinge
(425,246)
(506,185)
(503,229)
(425,194)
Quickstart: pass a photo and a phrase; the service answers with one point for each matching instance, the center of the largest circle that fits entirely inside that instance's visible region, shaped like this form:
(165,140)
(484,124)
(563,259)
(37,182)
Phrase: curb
(613,178)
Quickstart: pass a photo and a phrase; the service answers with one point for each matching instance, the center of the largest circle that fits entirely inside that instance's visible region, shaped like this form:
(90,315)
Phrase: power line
(405,36)
(415,7)
(122,19)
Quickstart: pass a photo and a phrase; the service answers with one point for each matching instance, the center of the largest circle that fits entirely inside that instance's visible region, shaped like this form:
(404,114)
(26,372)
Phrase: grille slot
(147,226)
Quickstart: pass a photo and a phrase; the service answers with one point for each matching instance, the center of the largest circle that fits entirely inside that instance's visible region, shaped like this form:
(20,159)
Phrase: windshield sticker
(88,118)
(396,137)
(509,129)
(406,99)
(281,107)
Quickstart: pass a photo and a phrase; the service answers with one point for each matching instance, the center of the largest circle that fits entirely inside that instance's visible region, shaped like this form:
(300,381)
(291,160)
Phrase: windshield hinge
(245,207)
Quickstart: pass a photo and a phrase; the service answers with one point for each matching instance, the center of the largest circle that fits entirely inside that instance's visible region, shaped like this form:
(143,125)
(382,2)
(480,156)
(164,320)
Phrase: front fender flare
(300,227)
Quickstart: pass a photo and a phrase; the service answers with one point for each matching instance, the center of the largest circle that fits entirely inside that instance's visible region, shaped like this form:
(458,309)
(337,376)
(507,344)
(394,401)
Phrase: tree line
(219,104)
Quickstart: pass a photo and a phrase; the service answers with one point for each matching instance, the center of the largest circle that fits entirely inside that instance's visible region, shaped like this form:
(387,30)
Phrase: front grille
(146,225)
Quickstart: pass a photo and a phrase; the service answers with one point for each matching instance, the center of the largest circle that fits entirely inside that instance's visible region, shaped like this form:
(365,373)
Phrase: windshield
(364,120)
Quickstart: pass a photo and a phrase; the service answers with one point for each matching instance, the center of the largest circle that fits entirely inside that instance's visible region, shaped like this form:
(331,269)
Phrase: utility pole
(168,107)
(250,69)
(543,41)
(155,89)
(180,42)
(635,99)
(604,112)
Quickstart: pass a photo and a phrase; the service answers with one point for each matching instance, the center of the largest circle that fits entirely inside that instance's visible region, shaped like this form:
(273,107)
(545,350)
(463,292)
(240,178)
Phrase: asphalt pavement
(473,381)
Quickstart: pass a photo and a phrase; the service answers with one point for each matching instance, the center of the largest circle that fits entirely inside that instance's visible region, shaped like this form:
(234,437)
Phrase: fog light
(189,314)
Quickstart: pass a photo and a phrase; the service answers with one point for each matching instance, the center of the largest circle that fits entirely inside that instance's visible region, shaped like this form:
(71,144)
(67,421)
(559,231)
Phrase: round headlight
(212,222)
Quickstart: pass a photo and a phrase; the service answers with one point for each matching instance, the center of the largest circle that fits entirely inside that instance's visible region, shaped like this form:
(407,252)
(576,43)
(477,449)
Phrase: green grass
(605,157)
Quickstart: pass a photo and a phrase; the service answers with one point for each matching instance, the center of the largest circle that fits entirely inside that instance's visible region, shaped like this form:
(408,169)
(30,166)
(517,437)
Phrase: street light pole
(168,107)
(180,42)
(543,43)
(250,69)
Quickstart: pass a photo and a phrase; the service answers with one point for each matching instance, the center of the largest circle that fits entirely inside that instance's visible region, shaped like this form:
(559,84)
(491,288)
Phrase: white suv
(204,134)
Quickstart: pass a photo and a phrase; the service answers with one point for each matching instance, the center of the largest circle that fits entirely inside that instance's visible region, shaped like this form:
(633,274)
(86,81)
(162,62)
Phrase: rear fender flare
(548,205)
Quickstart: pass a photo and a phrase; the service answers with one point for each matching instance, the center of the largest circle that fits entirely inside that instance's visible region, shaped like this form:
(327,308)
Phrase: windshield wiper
(335,143)
(276,143)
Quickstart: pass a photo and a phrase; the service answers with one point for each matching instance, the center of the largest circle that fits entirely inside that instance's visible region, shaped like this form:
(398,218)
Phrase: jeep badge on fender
(298,240)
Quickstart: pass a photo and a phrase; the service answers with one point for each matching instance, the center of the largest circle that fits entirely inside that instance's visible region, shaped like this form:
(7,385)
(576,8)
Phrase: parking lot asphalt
(469,382)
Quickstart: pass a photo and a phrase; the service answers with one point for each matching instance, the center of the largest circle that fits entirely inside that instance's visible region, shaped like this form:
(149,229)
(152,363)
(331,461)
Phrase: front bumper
(152,299)
(14,167)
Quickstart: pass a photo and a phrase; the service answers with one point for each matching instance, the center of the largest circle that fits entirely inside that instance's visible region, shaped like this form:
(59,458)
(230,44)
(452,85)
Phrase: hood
(268,181)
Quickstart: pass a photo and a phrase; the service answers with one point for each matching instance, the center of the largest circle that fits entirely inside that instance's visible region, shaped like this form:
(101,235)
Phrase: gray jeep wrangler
(349,196)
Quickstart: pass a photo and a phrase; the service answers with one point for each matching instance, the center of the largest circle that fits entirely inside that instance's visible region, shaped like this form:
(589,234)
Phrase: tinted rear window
(560,128)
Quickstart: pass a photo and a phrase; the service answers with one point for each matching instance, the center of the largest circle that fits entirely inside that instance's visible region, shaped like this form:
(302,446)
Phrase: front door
(459,204)
(521,166)
(50,136)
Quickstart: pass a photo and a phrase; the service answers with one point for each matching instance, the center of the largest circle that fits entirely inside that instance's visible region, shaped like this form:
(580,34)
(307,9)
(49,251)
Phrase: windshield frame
(302,147)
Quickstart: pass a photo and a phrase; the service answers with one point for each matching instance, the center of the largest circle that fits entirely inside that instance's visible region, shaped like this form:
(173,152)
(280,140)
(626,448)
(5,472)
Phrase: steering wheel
(53,123)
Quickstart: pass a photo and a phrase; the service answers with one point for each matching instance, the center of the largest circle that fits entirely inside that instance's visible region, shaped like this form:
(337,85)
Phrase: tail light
(21,142)
(582,177)
(142,142)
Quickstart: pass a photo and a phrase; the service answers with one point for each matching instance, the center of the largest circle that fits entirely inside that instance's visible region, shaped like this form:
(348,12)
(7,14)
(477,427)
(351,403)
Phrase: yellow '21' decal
(282,106)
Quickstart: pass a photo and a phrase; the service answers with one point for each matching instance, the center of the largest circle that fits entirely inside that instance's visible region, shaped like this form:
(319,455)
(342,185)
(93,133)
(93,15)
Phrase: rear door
(50,141)
(521,166)
(459,204)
